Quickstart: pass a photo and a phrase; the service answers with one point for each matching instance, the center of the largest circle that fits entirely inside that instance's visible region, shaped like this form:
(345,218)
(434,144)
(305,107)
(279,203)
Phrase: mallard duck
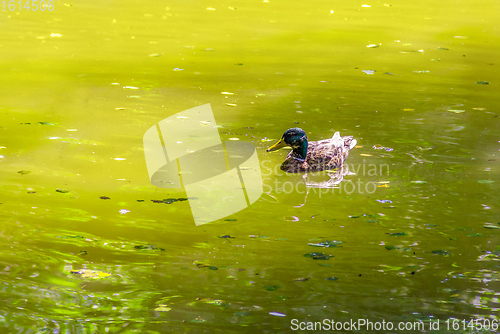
(313,156)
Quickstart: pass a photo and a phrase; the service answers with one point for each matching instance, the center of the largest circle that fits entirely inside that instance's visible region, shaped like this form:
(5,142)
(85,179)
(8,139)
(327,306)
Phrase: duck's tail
(347,140)
(353,143)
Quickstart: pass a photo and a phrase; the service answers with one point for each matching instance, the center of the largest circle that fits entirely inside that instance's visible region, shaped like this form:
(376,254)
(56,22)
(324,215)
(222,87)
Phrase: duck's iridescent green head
(295,138)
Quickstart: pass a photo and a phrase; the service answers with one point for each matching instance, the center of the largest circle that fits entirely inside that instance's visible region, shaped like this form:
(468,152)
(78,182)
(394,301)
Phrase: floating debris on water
(482,82)
(327,243)
(301,279)
(104,197)
(277,314)
(318,256)
(62,191)
(456,111)
(162,308)
(384,200)
(398,234)
(491,227)
(369,72)
(380,147)
(440,252)
(149,247)
(88,273)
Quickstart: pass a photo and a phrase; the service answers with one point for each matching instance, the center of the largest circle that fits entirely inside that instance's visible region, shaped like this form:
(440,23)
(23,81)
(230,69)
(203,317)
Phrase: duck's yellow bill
(277,146)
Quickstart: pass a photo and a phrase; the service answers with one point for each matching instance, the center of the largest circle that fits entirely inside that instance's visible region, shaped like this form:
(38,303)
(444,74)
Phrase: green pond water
(412,235)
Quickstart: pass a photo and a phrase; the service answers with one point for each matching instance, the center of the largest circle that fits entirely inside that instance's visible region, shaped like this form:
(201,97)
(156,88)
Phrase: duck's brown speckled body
(313,156)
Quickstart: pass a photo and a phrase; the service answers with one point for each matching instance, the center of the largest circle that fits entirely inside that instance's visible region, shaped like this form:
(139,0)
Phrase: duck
(313,156)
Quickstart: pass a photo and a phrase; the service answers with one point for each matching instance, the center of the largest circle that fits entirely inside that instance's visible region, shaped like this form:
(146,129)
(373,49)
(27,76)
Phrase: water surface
(416,238)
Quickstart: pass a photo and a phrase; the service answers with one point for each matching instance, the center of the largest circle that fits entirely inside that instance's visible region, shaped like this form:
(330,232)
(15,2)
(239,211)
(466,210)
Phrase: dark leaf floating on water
(271,287)
(149,248)
(71,237)
(140,200)
(230,220)
(47,123)
(391,247)
(441,252)
(168,200)
(318,256)
(204,265)
(63,191)
(82,253)
(482,82)
(24,172)
(104,197)
(397,234)
(225,236)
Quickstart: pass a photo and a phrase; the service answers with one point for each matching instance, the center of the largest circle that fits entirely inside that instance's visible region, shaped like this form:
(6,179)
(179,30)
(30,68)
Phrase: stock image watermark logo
(185,151)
